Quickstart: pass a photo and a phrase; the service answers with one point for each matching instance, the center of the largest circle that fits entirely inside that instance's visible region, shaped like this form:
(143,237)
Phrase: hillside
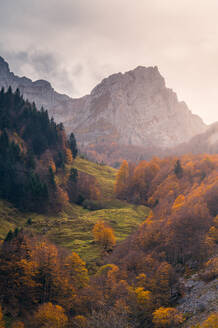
(72,227)
(150,270)
(96,246)
(126,116)
(32,148)
(200,299)
(204,143)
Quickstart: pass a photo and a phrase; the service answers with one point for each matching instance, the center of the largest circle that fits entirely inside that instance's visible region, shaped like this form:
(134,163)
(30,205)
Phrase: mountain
(206,142)
(146,279)
(127,115)
(40,91)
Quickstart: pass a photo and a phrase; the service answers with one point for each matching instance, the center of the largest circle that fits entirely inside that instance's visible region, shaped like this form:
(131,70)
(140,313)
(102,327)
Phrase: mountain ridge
(127,110)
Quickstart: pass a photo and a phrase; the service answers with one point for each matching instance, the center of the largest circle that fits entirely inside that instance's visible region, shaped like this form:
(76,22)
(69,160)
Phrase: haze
(76,43)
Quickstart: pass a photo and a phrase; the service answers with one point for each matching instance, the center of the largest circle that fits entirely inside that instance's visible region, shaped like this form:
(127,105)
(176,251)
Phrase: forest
(136,282)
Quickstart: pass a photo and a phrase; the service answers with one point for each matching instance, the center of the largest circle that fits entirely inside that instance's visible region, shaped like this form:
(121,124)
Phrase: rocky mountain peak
(140,76)
(141,110)
(4,68)
(134,109)
(3,65)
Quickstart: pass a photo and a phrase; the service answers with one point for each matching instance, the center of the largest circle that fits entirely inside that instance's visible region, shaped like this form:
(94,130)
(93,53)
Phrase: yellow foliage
(49,315)
(167,317)
(111,274)
(122,178)
(179,202)
(141,279)
(212,267)
(104,235)
(211,321)
(143,296)
(77,271)
(69,157)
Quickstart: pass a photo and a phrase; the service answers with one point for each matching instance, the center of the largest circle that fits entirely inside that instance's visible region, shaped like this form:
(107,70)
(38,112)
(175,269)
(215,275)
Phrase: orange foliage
(122,179)
(77,272)
(213,232)
(88,186)
(52,165)
(17,324)
(167,317)
(69,157)
(104,235)
(210,322)
(49,315)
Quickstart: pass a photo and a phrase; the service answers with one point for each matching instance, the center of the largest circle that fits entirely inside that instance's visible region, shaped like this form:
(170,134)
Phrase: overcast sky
(76,43)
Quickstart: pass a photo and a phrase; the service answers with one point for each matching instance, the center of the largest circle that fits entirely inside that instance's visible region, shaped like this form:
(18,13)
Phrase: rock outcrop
(137,109)
(134,109)
(199,299)
(40,91)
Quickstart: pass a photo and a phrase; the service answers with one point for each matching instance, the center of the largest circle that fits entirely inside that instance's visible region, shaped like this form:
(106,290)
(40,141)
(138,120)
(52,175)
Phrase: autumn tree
(163,282)
(17,324)
(49,315)
(122,179)
(213,232)
(47,276)
(76,271)
(68,155)
(104,235)
(211,321)
(87,187)
(211,198)
(167,318)
(211,270)
(17,273)
(187,229)
(2,324)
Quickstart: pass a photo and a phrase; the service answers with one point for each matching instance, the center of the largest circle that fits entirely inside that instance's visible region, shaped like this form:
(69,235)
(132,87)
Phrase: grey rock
(135,108)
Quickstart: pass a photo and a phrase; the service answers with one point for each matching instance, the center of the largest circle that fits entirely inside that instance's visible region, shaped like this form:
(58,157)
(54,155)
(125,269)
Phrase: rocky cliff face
(41,91)
(131,109)
(135,108)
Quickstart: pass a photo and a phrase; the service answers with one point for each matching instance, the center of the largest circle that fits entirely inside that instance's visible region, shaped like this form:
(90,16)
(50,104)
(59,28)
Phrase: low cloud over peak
(74,44)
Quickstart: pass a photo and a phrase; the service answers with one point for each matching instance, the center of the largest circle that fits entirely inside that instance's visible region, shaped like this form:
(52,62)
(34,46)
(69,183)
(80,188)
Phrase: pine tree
(73,145)
(178,170)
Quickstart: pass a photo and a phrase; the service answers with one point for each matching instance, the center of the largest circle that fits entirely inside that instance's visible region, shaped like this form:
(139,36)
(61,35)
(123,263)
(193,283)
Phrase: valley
(86,245)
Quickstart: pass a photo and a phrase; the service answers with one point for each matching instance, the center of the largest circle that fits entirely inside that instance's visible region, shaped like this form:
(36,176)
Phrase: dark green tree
(73,145)
(51,178)
(178,170)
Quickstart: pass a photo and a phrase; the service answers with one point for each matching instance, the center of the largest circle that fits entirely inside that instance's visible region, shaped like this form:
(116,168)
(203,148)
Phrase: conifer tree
(73,145)
(178,170)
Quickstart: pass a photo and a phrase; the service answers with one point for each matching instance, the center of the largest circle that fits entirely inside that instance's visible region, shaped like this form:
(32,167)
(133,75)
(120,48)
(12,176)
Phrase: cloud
(76,43)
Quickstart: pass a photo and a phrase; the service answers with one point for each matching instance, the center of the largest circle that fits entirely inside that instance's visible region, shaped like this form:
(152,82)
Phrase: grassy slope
(73,227)
(104,174)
